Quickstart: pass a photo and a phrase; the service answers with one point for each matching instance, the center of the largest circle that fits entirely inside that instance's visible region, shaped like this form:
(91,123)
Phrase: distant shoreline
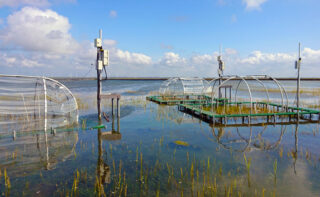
(165,78)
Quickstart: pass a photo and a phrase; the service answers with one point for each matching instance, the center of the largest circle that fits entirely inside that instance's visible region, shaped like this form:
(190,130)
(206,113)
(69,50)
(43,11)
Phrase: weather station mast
(101,63)
(220,69)
(297,67)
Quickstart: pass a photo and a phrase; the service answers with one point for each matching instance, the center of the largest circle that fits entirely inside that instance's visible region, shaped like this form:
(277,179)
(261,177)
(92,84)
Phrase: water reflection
(240,140)
(295,152)
(103,169)
(31,152)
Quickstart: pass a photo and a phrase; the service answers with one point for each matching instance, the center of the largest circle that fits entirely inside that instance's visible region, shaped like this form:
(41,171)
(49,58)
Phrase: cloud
(16,3)
(257,57)
(113,14)
(38,30)
(253,4)
(204,59)
(13,60)
(109,43)
(170,59)
(39,42)
(120,56)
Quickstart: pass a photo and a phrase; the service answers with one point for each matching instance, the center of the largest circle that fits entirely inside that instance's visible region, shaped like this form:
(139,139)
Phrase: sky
(159,38)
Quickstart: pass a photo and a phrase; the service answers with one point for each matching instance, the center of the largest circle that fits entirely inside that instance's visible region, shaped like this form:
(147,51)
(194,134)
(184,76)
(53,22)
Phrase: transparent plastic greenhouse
(247,99)
(35,103)
(181,90)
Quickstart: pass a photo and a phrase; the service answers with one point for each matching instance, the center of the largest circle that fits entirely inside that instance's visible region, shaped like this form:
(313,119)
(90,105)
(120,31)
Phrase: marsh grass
(234,109)
(275,167)
(248,164)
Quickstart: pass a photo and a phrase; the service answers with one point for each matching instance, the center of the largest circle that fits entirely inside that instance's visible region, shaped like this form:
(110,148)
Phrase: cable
(105,71)
(88,71)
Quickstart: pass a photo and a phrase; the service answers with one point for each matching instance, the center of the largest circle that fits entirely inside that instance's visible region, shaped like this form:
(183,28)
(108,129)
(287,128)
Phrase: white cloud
(120,56)
(16,3)
(253,4)
(203,59)
(14,60)
(171,59)
(40,44)
(129,64)
(113,14)
(311,55)
(257,57)
(38,30)
(109,43)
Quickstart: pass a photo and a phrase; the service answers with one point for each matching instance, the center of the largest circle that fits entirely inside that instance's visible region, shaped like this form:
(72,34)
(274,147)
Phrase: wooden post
(118,108)
(112,108)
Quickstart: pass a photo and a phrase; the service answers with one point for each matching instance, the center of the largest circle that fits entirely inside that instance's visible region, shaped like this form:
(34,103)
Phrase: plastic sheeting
(35,103)
(183,86)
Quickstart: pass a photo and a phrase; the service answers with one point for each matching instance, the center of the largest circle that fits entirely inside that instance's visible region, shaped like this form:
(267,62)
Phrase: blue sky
(159,38)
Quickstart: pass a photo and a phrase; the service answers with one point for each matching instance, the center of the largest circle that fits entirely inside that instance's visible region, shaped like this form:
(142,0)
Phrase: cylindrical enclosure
(35,103)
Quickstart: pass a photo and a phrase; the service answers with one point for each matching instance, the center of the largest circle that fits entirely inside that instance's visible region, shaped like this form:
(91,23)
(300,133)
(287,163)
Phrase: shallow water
(142,158)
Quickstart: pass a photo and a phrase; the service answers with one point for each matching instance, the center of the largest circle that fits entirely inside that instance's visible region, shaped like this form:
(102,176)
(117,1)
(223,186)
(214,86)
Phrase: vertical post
(100,166)
(99,70)
(99,93)
(45,104)
(118,125)
(298,79)
(112,108)
(112,127)
(45,123)
(220,70)
(118,107)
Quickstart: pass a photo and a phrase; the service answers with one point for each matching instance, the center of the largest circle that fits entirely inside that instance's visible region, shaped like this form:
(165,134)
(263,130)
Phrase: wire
(88,71)
(105,71)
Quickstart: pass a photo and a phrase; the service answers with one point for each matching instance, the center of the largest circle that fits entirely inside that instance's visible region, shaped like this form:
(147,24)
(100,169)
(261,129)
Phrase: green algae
(181,143)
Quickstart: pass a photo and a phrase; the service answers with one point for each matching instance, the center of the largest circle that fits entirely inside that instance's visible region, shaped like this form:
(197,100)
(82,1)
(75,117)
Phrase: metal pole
(298,79)
(99,92)
(45,104)
(99,56)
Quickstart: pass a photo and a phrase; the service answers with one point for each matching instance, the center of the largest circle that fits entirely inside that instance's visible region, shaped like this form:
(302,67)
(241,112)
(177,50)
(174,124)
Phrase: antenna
(220,69)
(299,51)
(101,62)
(220,62)
(297,66)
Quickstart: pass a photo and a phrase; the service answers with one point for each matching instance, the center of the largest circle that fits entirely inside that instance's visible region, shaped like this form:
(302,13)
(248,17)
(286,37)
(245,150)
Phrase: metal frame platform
(183,99)
(283,115)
